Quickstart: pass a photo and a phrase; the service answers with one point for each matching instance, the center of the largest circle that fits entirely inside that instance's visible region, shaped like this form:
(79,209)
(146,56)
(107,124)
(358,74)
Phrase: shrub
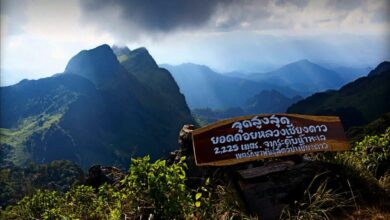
(81,202)
(157,189)
(42,205)
(365,167)
(150,189)
(373,152)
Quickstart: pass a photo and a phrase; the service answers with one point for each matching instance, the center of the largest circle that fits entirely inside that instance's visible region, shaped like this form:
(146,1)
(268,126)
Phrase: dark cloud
(378,17)
(160,16)
(16,16)
(345,5)
(130,20)
(298,3)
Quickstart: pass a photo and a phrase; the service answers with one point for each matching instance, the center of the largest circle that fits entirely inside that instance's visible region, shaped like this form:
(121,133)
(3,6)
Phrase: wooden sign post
(255,137)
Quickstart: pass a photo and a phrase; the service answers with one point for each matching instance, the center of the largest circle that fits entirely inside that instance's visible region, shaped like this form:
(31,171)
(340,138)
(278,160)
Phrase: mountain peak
(304,62)
(200,67)
(381,68)
(141,50)
(303,65)
(102,47)
(138,58)
(143,53)
(93,111)
(304,76)
(97,64)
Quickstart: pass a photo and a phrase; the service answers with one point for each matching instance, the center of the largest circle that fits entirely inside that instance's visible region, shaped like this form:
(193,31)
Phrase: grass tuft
(317,203)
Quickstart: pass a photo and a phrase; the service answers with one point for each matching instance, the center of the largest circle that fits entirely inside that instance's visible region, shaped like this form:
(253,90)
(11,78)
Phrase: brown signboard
(254,137)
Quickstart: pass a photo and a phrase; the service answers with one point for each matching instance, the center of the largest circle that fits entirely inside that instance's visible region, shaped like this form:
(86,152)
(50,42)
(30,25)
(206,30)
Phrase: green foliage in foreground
(370,156)
(373,152)
(158,189)
(151,189)
(378,126)
(17,182)
(366,170)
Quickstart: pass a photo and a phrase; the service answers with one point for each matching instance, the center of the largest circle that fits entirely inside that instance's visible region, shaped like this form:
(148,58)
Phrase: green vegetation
(366,169)
(378,126)
(369,156)
(157,189)
(373,152)
(150,189)
(361,189)
(17,138)
(17,182)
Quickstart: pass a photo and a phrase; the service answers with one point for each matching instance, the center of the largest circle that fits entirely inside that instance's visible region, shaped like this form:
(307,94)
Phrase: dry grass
(318,203)
(369,213)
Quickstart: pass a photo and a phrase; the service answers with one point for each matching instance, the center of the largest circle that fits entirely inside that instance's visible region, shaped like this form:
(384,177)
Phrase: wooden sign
(254,137)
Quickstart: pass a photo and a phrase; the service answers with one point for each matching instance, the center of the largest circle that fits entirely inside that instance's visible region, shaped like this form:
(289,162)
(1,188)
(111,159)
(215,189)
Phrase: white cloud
(39,37)
(49,36)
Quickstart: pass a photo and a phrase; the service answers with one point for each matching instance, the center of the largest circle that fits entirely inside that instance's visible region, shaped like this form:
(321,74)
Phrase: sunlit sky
(39,37)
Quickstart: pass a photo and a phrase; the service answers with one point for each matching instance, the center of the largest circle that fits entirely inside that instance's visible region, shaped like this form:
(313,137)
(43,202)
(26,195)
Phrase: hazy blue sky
(39,37)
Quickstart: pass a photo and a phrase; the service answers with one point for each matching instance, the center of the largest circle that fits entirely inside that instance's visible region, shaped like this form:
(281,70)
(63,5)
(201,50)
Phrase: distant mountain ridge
(357,103)
(103,109)
(267,101)
(303,76)
(349,74)
(205,88)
